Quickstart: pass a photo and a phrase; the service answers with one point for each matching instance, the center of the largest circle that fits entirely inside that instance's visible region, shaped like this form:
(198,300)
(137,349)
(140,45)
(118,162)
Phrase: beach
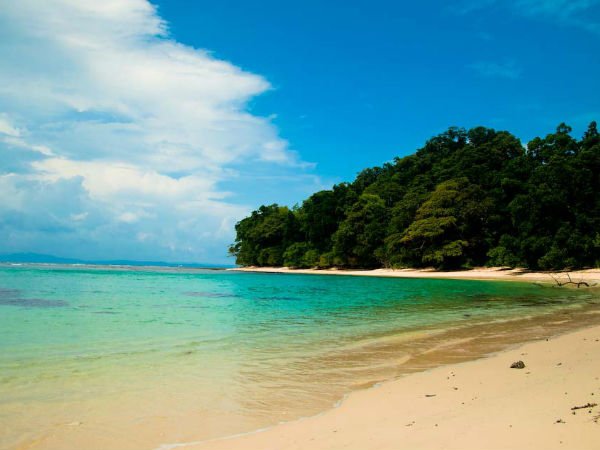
(548,404)
(590,276)
(147,358)
(300,225)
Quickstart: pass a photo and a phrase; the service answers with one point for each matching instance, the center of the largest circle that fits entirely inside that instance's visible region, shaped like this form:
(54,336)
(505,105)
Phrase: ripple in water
(13,297)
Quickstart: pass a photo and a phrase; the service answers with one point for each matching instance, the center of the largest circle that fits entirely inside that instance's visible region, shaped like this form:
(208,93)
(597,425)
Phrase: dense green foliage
(467,198)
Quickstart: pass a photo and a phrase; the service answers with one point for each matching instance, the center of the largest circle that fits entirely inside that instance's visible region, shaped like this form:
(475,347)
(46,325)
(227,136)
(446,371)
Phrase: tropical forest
(467,198)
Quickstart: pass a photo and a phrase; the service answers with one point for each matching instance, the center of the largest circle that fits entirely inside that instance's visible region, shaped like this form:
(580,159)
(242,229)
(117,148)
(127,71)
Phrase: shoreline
(590,276)
(456,404)
(171,417)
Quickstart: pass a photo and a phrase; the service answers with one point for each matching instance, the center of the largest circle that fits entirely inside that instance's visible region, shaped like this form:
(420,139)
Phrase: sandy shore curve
(551,403)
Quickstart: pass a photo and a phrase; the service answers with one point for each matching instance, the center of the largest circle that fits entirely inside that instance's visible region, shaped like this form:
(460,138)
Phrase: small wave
(209,294)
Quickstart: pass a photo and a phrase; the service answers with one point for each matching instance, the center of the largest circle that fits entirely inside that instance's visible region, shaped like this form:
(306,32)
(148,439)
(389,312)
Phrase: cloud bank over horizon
(117,140)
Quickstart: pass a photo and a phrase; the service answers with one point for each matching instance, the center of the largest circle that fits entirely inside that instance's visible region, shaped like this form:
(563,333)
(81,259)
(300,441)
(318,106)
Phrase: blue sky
(374,79)
(145,131)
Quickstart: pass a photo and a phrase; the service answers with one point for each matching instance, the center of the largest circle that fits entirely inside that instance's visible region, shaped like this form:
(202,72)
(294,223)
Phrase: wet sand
(548,404)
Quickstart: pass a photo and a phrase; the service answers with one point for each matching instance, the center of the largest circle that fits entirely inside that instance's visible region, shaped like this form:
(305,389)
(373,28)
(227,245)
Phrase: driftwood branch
(564,283)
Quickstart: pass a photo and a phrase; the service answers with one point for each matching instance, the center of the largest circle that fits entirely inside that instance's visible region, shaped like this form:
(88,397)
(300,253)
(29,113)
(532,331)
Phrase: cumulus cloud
(116,138)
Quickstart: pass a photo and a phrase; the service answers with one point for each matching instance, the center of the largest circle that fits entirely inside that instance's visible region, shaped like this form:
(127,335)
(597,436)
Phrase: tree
(262,237)
(319,218)
(444,224)
(467,197)
(361,234)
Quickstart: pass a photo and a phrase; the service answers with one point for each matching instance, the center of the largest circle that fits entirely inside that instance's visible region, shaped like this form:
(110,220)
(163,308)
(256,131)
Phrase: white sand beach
(590,276)
(483,404)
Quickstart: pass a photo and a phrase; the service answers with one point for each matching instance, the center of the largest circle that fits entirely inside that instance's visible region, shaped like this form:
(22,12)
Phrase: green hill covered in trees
(467,198)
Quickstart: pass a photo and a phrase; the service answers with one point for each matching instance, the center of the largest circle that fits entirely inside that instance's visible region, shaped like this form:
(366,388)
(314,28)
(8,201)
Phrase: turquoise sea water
(97,354)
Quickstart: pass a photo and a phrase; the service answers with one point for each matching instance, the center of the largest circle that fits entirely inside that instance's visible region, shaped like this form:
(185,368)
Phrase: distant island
(466,199)
(38,258)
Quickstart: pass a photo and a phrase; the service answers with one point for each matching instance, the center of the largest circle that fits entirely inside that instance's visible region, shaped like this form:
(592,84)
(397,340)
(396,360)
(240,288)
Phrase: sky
(145,130)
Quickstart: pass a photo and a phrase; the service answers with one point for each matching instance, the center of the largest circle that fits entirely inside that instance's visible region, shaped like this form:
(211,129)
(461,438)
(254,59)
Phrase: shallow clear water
(172,355)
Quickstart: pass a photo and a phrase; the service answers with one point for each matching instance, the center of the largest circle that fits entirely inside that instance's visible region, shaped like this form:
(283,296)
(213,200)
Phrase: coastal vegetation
(466,198)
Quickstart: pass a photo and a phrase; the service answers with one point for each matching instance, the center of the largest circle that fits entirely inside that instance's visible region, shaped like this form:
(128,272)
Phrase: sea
(153,357)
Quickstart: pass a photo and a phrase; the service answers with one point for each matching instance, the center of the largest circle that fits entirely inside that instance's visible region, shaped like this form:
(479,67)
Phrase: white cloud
(7,128)
(142,129)
(16,142)
(79,217)
(108,181)
(129,217)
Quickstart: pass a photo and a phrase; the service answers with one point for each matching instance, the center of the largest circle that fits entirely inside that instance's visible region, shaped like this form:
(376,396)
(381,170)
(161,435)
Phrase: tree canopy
(467,198)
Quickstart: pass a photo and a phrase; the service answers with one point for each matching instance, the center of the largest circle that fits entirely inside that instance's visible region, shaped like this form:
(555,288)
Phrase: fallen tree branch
(564,283)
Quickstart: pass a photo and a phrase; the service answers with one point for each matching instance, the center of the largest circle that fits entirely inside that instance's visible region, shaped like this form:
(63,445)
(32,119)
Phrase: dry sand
(487,273)
(482,404)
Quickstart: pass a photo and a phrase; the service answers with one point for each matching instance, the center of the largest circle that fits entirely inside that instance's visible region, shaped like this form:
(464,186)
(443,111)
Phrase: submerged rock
(517,365)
